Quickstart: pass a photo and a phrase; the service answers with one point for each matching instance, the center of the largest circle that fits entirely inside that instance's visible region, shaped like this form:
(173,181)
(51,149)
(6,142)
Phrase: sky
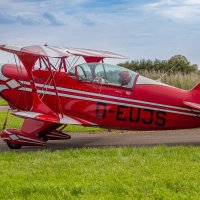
(138,29)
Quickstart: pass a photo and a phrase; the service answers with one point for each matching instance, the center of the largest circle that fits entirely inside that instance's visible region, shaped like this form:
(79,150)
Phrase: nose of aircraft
(3,79)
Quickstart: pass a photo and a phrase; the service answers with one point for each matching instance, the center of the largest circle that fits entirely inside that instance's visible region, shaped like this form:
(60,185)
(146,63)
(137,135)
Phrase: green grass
(3,102)
(16,122)
(81,129)
(114,173)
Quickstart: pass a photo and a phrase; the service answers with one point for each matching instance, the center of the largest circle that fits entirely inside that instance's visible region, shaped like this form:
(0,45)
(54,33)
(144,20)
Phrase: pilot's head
(124,78)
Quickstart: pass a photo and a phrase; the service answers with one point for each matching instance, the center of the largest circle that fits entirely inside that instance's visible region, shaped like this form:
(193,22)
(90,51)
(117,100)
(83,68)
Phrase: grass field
(183,81)
(114,173)
(3,102)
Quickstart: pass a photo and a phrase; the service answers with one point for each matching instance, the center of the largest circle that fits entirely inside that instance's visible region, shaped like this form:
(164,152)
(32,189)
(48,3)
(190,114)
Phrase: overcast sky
(135,28)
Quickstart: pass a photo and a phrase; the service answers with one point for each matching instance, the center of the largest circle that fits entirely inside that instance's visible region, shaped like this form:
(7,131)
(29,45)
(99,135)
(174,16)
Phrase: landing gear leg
(14,146)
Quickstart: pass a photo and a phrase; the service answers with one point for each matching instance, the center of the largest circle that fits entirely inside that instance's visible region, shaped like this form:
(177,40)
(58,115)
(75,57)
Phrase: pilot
(124,78)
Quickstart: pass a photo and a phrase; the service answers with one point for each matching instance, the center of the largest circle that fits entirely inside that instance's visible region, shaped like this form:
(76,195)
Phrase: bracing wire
(159,79)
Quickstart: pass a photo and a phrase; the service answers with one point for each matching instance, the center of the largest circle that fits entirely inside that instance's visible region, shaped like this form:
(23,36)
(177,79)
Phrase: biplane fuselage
(144,106)
(93,94)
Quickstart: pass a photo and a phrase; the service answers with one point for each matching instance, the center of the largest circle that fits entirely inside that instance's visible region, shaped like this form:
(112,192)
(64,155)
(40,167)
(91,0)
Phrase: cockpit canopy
(104,74)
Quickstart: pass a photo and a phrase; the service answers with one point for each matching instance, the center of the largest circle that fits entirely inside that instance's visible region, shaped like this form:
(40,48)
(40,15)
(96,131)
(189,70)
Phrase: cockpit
(104,74)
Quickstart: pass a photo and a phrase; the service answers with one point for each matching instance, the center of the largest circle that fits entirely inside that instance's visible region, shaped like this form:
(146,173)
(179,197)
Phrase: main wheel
(14,146)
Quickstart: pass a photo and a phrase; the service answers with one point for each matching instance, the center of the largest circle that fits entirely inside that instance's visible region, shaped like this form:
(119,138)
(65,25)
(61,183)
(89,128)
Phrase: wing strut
(38,105)
(54,84)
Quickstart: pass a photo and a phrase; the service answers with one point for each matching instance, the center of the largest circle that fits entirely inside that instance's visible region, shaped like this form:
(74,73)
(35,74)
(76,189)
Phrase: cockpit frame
(104,74)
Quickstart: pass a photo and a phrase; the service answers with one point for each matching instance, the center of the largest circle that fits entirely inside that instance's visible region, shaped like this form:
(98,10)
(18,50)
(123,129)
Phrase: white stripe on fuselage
(107,101)
(109,96)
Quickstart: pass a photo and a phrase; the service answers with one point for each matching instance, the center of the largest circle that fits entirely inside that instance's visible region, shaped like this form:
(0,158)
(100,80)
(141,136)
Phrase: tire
(14,146)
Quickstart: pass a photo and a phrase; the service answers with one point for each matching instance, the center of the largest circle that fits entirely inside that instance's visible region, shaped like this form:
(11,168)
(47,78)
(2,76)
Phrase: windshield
(104,74)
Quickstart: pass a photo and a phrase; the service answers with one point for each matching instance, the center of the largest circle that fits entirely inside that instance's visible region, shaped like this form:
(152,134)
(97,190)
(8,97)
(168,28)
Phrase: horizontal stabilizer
(192,105)
(47,118)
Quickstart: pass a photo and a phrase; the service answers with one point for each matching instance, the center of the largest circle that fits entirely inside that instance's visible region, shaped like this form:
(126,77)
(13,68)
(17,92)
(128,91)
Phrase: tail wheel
(14,146)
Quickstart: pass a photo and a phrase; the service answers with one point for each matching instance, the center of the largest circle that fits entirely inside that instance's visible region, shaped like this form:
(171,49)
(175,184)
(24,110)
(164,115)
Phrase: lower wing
(47,118)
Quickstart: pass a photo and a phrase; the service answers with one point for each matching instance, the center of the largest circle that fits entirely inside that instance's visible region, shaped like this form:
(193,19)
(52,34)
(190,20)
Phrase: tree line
(177,63)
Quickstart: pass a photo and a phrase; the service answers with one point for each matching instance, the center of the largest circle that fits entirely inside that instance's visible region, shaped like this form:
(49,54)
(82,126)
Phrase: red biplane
(50,90)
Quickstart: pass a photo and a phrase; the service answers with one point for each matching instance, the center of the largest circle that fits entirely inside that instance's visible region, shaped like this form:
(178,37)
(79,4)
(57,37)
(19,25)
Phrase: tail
(193,100)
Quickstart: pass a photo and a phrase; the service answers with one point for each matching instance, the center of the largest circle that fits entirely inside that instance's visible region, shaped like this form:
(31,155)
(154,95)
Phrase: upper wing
(37,50)
(58,52)
(93,53)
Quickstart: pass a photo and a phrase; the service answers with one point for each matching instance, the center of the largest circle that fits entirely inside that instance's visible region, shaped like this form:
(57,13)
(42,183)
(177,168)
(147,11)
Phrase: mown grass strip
(114,173)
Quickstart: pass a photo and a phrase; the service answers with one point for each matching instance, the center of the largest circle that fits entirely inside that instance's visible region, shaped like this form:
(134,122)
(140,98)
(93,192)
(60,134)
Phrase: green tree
(177,63)
(181,64)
